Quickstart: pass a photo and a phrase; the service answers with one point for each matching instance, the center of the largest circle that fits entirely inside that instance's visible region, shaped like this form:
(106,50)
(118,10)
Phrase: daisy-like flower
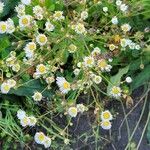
(106,124)
(112,47)
(21,114)
(3,27)
(114,20)
(97,79)
(20,9)
(41,39)
(88,61)
(49,26)
(63,85)
(103,65)
(96,51)
(25,21)
(116,92)
(76,71)
(10,26)
(105,9)
(32,121)
(84,15)
(58,15)
(40,137)
(81,108)
(106,115)
(123,7)
(26,2)
(1,7)
(118,2)
(47,142)
(80,29)
(124,42)
(72,111)
(29,49)
(25,121)
(72,48)
(16,67)
(38,10)
(11,82)
(5,87)
(41,69)
(126,27)
(37,96)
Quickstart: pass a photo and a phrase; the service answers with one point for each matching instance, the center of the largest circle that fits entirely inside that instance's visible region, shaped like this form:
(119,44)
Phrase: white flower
(96,51)
(106,125)
(41,69)
(3,27)
(49,26)
(40,137)
(128,79)
(114,20)
(137,47)
(76,71)
(106,115)
(80,29)
(72,48)
(50,80)
(11,82)
(47,142)
(58,15)
(126,27)
(41,39)
(37,96)
(26,2)
(16,67)
(5,87)
(72,111)
(84,15)
(29,49)
(103,65)
(123,7)
(88,61)
(24,121)
(112,47)
(20,9)
(38,10)
(116,92)
(63,85)
(1,7)
(97,79)
(124,42)
(80,108)
(32,121)
(132,45)
(118,2)
(10,26)
(105,9)
(21,114)
(24,21)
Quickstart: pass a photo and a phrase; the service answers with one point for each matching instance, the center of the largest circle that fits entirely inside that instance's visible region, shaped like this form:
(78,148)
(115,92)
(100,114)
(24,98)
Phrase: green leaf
(31,87)
(115,80)
(141,78)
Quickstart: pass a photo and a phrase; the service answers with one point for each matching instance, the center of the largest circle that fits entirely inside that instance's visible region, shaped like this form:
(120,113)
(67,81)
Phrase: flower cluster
(26,120)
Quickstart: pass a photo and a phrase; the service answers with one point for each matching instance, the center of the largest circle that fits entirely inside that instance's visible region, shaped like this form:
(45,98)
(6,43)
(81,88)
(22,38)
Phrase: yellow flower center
(89,61)
(66,85)
(41,137)
(115,90)
(74,110)
(3,27)
(102,63)
(6,88)
(42,69)
(58,15)
(31,46)
(106,115)
(25,120)
(106,123)
(25,21)
(42,39)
